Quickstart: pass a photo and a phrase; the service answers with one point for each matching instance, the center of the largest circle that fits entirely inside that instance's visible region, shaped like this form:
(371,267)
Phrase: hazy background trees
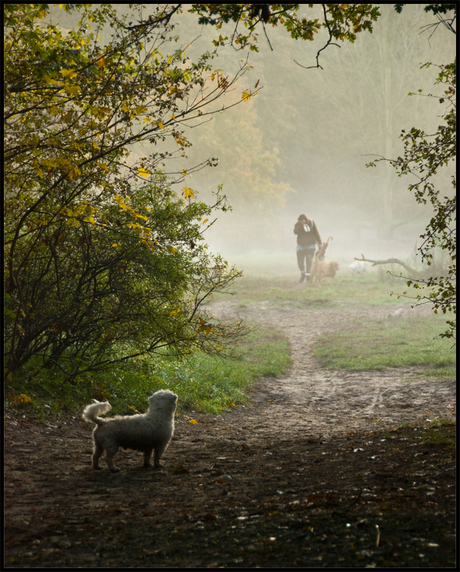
(315,130)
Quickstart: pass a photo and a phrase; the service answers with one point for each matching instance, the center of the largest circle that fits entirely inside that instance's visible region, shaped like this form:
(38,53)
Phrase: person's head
(302,218)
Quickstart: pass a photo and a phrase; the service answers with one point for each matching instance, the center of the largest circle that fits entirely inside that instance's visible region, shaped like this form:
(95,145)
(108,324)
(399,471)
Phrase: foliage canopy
(99,248)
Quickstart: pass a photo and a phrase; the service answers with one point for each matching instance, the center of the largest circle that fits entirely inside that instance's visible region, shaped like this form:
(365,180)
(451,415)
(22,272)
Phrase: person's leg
(309,261)
(301,263)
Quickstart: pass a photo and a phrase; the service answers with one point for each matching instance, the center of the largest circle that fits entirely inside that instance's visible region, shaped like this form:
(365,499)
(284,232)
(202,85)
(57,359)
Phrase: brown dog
(322,269)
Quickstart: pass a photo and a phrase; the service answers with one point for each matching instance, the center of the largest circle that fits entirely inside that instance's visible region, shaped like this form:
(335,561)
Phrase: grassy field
(212,384)
(369,290)
(379,344)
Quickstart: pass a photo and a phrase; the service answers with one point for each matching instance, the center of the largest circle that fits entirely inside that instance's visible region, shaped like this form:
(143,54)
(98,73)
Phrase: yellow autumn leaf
(192,421)
(73,172)
(143,172)
(69,73)
(246,96)
(72,90)
(101,63)
(205,326)
(188,193)
(89,219)
(121,202)
(23,398)
(160,125)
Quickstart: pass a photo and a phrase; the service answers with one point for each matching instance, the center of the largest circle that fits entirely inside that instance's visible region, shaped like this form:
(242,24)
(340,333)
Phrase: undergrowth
(203,382)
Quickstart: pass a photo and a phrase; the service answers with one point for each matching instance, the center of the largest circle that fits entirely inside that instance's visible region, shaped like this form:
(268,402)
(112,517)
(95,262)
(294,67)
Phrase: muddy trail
(313,401)
(312,472)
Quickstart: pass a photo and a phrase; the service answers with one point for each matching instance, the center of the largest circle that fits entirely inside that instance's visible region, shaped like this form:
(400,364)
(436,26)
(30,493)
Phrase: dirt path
(301,476)
(311,401)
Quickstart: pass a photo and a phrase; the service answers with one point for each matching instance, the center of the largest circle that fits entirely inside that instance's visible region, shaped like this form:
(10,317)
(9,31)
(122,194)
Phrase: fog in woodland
(301,145)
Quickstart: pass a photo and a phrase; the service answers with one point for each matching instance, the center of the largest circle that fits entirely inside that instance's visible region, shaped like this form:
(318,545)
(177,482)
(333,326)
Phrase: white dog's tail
(92,412)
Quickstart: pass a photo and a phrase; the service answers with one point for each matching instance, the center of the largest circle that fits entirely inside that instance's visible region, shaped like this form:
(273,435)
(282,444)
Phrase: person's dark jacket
(307,237)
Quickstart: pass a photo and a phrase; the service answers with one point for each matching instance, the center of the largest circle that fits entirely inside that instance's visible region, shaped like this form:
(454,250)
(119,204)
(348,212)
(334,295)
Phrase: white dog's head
(163,400)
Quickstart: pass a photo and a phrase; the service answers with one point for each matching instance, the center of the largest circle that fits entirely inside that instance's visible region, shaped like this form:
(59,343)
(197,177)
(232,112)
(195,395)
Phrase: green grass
(376,345)
(351,290)
(437,433)
(204,383)
(212,384)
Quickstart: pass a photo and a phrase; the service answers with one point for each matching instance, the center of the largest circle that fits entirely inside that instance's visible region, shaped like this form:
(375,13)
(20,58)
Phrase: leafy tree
(342,21)
(99,249)
(424,155)
(249,172)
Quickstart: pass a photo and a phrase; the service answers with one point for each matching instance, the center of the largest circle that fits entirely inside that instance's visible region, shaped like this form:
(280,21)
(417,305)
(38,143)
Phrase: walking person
(307,239)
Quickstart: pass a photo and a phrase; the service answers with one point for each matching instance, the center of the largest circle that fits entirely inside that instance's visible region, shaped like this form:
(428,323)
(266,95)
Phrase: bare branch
(388,261)
(328,43)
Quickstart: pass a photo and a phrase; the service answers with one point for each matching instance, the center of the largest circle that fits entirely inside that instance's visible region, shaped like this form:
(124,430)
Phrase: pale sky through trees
(301,145)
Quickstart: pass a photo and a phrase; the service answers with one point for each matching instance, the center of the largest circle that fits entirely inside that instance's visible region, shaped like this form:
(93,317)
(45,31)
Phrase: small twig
(377,542)
(329,42)
(151,21)
(265,32)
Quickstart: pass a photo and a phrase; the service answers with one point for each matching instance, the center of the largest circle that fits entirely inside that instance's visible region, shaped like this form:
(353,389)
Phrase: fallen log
(412,271)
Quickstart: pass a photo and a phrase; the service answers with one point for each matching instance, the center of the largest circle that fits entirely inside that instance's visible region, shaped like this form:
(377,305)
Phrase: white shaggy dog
(151,431)
(359,267)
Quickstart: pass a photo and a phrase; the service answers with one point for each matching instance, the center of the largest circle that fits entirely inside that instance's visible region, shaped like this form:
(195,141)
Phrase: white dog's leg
(147,457)
(109,453)
(97,452)
(159,450)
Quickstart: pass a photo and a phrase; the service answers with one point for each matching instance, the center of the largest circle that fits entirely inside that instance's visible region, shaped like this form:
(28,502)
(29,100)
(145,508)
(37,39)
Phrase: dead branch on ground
(412,271)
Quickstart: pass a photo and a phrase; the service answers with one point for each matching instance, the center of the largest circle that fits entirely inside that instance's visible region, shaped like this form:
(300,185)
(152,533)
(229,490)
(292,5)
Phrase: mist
(302,144)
